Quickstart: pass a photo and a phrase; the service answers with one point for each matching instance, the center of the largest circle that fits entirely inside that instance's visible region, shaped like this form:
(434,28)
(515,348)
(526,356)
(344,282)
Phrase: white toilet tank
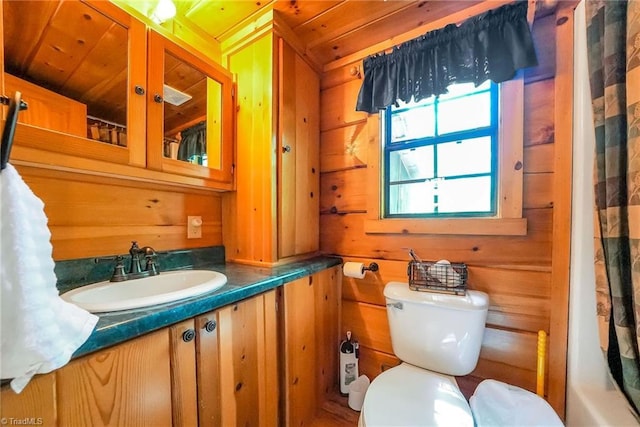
(438,332)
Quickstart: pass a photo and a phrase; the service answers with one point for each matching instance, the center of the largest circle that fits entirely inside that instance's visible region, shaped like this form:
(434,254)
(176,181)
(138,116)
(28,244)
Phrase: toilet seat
(410,396)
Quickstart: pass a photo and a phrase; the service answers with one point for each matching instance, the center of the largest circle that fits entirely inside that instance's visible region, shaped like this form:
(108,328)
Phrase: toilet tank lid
(471,301)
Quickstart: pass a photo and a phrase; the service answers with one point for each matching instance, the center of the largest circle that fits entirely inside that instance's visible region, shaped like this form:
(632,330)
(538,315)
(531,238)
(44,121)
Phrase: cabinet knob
(139,90)
(210,326)
(286,149)
(188,335)
(157,98)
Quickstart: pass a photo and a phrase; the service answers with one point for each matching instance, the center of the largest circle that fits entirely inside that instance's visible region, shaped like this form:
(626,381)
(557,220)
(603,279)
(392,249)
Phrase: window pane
(469,112)
(412,198)
(465,195)
(470,156)
(463,89)
(412,163)
(414,123)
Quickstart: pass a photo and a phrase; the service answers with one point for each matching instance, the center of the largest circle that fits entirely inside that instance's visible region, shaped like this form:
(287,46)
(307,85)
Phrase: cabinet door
(190,113)
(36,402)
(311,339)
(81,67)
(128,384)
(299,171)
(248,362)
(183,374)
(208,370)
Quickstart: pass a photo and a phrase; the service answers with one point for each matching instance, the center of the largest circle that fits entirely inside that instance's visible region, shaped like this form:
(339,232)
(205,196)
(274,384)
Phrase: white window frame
(508,220)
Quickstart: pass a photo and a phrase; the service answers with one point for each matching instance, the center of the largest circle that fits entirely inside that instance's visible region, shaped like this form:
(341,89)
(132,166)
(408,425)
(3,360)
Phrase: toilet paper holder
(373,267)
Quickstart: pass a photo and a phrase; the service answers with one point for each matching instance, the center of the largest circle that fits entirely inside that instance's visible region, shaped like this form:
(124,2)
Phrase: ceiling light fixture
(164,10)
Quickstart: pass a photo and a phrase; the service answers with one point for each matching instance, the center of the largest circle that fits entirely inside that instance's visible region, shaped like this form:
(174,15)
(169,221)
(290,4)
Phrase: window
(483,197)
(440,155)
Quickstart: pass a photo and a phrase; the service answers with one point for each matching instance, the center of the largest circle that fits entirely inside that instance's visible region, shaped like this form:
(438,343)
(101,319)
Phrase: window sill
(453,226)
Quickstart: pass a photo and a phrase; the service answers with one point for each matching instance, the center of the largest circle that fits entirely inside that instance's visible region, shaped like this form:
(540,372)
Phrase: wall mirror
(70,62)
(192,114)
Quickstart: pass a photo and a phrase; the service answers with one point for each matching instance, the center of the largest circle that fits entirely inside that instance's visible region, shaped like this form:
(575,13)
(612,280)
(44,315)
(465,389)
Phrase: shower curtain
(613,39)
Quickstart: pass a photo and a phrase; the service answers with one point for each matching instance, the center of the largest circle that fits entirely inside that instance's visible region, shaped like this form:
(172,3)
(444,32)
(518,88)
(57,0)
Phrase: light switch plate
(194,227)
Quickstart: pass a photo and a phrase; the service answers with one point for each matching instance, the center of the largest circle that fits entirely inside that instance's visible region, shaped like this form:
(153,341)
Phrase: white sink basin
(166,287)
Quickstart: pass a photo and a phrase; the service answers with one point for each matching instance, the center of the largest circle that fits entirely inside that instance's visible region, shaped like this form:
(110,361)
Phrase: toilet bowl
(437,337)
(410,396)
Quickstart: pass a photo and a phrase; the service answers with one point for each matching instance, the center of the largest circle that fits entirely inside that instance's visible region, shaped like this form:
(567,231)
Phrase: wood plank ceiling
(329,29)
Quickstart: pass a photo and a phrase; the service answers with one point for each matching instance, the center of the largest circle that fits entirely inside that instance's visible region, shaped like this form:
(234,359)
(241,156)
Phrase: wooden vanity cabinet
(311,336)
(227,374)
(274,214)
(247,363)
(128,384)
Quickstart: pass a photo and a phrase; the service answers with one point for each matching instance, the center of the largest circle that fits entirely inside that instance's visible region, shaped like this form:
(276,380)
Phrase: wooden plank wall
(515,271)
(95,216)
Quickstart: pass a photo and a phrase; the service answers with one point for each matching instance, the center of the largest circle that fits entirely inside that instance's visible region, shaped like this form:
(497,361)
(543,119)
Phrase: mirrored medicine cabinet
(101,85)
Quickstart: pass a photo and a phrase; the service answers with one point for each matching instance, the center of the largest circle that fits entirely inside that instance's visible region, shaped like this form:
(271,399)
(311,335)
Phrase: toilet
(436,336)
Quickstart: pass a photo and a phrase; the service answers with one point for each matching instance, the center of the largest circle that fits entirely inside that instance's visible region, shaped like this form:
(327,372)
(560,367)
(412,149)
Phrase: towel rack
(15,106)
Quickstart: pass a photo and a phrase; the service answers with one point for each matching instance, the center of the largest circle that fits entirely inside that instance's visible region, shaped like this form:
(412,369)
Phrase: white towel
(39,330)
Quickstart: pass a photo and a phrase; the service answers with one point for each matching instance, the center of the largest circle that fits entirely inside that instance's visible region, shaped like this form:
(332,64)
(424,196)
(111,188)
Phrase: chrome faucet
(136,270)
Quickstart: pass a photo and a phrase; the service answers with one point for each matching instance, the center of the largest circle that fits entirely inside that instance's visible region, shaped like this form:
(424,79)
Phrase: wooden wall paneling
(344,148)
(538,190)
(301,350)
(373,362)
(368,325)
(184,393)
(508,356)
(129,384)
(561,260)
(37,400)
(208,371)
(338,106)
(342,74)
(539,112)
(255,182)
(344,235)
(370,288)
(505,372)
(515,271)
(344,191)
(95,216)
(538,158)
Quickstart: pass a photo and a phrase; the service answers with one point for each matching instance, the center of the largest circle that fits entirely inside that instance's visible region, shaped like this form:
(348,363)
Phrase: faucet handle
(119,273)
(151,266)
(135,249)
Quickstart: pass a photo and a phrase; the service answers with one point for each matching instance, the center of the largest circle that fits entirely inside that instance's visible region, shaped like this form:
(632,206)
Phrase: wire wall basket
(441,276)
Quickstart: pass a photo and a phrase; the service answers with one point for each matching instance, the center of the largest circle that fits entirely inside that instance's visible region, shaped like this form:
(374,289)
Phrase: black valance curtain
(493,46)
(193,142)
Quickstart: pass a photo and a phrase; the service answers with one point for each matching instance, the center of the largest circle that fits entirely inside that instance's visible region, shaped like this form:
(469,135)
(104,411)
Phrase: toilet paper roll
(357,391)
(353,269)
